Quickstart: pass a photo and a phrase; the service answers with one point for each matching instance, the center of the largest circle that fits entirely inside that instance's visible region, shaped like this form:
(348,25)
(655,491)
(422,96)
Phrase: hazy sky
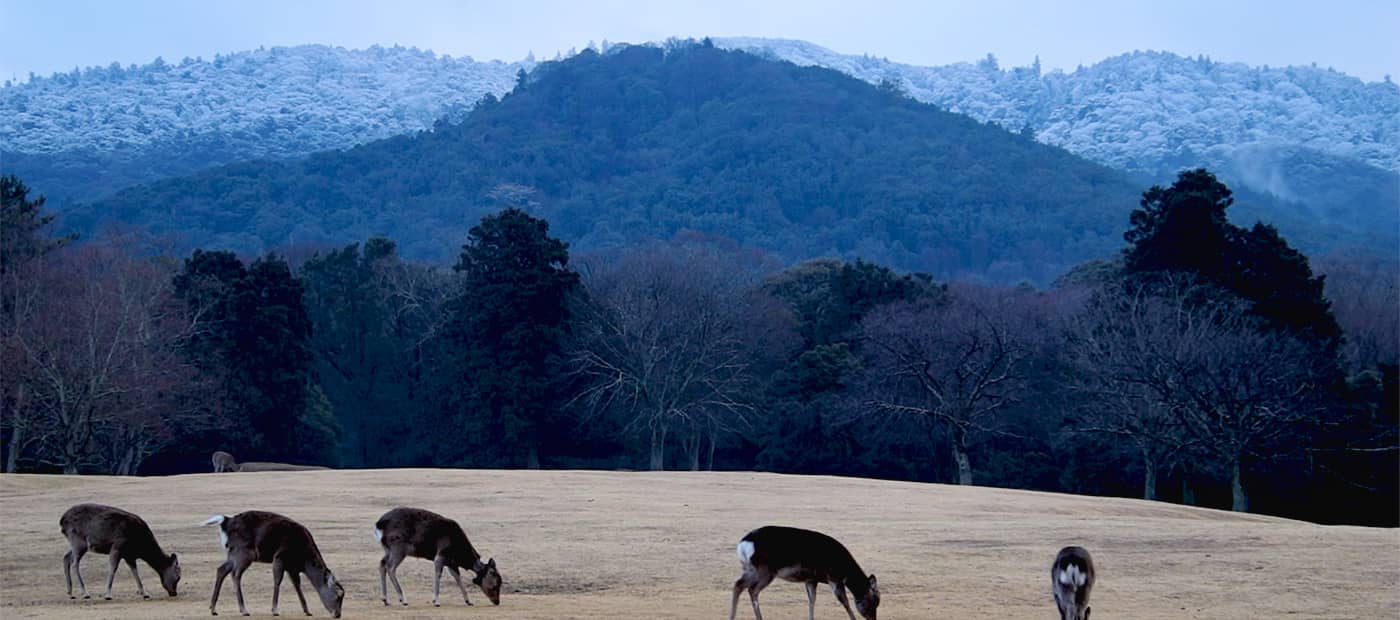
(1356,36)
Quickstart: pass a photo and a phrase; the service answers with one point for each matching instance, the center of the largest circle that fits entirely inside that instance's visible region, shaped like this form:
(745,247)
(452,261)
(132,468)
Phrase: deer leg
(277,571)
(437,579)
(811,600)
(457,574)
(224,570)
(756,586)
(296,585)
(840,591)
(140,587)
(384,579)
(740,585)
(115,560)
(238,569)
(394,561)
(68,571)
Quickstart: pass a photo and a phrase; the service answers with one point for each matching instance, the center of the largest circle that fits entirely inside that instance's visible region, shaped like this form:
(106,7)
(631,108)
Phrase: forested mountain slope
(1323,146)
(1327,142)
(86,133)
(643,141)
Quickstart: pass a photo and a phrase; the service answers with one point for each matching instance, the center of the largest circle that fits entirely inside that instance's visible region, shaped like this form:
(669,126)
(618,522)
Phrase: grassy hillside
(643,142)
(661,545)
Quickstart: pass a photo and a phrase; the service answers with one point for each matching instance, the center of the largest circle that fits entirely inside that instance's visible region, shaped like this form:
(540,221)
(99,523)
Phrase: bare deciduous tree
(1196,368)
(105,382)
(1111,354)
(668,335)
(956,362)
(1363,290)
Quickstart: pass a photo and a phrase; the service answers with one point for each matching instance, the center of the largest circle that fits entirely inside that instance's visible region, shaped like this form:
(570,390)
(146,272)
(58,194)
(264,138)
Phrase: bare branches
(96,337)
(956,363)
(667,336)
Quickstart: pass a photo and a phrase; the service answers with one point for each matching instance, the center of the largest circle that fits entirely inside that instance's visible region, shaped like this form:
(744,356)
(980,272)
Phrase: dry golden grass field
(661,545)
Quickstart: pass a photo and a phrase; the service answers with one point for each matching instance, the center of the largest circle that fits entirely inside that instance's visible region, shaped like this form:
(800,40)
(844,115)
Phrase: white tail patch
(379,534)
(745,550)
(223,536)
(1071,575)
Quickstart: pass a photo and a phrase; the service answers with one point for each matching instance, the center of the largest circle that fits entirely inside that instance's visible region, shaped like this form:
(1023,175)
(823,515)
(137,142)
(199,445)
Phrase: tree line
(1205,363)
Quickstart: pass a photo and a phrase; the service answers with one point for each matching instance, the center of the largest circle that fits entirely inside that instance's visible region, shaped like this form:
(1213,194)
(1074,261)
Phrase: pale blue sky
(1356,36)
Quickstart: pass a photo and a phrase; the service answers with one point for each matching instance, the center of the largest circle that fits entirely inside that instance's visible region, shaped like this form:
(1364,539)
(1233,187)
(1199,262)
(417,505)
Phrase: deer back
(423,534)
(103,526)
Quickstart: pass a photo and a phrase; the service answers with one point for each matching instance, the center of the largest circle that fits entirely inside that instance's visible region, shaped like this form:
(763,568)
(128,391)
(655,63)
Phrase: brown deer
(413,532)
(802,556)
(257,536)
(123,537)
(1071,579)
(223,462)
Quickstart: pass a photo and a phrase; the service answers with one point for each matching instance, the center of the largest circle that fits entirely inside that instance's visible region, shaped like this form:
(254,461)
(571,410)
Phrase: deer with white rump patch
(223,462)
(1071,578)
(802,556)
(413,532)
(123,537)
(257,536)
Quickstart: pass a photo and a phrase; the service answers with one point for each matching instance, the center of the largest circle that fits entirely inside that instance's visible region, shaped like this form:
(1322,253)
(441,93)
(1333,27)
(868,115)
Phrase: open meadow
(582,544)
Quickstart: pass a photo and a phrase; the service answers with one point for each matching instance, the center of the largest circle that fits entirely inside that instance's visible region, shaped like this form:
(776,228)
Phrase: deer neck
(156,557)
(857,582)
(315,570)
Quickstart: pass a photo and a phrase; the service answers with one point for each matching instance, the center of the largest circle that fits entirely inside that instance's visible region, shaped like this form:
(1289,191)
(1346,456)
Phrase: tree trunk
(16,446)
(16,433)
(693,449)
(710,458)
(658,447)
(532,458)
(1239,500)
(960,457)
(1149,478)
(1188,496)
(125,466)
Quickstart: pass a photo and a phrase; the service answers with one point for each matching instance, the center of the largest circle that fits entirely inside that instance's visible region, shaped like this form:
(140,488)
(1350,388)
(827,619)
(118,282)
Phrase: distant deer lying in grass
(256,536)
(1071,579)
(223,462)
(412,532)
(123,537)
(252,466)
(806,556)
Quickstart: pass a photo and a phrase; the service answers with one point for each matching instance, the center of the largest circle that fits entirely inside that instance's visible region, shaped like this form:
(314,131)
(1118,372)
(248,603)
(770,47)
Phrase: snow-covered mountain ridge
(287,101)
(1146,111)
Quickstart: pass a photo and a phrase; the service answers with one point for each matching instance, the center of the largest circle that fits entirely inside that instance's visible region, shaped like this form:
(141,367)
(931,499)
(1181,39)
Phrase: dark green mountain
(644,141)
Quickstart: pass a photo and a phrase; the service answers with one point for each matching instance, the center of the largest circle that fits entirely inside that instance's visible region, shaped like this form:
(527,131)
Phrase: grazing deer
(412,532)
(123,537)
(1071,578)
(806,556)
(223,462)
(257,536)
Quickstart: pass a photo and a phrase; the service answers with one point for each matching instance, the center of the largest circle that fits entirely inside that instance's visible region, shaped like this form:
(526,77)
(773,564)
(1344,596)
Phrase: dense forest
(648,142)
(1325,146)
(1200,362)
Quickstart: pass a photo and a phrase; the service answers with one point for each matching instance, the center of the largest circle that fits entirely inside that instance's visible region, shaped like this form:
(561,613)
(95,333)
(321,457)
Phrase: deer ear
(491,563)
(872,581)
